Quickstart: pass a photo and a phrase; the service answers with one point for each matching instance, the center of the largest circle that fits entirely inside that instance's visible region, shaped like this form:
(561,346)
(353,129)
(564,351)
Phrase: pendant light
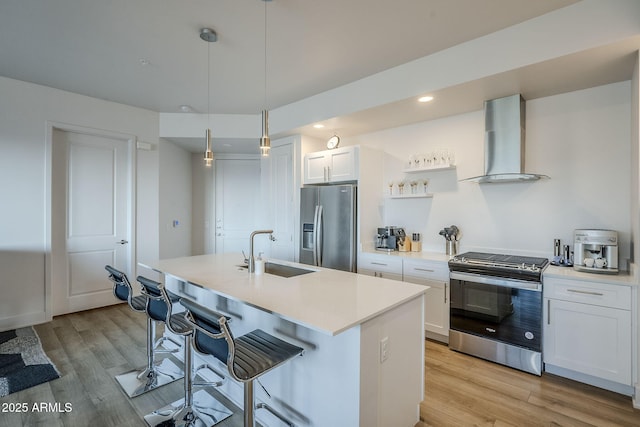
(210,36)
(265,141)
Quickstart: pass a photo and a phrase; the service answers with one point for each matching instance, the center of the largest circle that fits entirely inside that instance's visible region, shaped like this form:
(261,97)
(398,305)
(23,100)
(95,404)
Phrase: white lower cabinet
(434,274)
(588,332)
(380,265)
(436,301)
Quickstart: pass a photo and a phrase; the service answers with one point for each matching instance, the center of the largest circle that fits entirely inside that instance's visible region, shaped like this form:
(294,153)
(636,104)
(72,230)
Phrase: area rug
(23,363)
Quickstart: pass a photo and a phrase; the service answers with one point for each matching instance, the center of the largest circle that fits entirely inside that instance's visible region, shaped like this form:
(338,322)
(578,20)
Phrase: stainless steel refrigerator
(328,222)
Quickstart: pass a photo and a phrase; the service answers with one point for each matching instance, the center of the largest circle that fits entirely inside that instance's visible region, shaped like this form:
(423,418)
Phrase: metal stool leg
(249,419)
(250,406)
(154,375)
(194,410)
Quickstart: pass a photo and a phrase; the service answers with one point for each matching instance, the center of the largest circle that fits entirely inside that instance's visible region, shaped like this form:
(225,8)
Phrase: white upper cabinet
(330,166)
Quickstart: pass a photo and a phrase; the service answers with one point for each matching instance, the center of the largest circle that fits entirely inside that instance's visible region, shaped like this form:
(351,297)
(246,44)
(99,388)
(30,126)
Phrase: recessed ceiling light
(318,126)
(144,62)
(425,98)
(186,108)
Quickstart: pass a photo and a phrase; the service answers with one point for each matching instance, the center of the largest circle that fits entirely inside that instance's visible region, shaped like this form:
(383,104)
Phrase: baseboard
(627,390)
(436,337)
(23,320)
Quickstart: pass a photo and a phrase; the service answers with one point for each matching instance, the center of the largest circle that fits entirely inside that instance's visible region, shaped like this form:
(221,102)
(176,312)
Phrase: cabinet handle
(578,291)
(424,269)
(379,263)
(445,293)
(548,312)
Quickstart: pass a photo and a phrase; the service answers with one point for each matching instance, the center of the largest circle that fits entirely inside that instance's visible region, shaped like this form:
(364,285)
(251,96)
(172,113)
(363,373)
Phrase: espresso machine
(596,251)
(388,237)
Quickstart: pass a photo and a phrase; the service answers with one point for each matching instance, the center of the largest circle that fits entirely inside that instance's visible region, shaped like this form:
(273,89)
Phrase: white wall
(580,139)
(24,111)
(175,201)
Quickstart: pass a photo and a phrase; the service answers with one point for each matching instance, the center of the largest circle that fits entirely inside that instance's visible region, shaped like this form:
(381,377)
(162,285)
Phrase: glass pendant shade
(208,154)
(265,141)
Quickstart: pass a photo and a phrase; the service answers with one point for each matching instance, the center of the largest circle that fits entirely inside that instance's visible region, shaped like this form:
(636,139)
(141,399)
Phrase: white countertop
(427,256)
(328,301)
(622,278)
(552,271)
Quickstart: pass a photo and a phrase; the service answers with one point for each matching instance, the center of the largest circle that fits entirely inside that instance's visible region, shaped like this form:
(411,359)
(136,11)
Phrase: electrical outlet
(384,349)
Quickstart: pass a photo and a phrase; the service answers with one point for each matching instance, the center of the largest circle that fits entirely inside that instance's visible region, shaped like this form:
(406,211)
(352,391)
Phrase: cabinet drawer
(426,269)
(385,263)
(602,294)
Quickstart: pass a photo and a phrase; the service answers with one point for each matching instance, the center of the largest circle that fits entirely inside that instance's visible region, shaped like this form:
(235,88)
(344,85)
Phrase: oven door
(500,309)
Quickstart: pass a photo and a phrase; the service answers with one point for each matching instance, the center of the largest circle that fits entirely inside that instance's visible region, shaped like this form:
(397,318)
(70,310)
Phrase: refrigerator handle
(319,236)
(315,236)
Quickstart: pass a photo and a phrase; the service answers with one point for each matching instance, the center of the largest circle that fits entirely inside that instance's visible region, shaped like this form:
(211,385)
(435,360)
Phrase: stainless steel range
(496,308)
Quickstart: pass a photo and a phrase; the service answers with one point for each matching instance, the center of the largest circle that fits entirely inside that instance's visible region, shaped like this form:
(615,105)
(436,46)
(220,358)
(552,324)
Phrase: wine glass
(424,185)
(401,187)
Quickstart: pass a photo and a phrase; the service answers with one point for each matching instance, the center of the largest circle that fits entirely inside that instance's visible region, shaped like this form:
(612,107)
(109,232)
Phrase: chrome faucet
(252,262)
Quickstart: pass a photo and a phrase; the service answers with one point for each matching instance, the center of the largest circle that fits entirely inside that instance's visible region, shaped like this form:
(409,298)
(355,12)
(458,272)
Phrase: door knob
(122,242)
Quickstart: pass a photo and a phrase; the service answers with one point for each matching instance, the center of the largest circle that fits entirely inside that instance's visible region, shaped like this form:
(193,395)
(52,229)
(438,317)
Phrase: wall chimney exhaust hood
(504,120)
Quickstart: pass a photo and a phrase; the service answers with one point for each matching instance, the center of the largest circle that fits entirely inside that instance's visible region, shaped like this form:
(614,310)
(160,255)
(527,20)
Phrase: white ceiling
(95,48)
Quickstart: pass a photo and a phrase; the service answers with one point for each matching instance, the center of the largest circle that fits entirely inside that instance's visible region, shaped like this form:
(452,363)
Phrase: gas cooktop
(514,266)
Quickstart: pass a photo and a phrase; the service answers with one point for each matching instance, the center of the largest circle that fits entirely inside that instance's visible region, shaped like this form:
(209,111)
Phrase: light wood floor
(91,347)
(465,391)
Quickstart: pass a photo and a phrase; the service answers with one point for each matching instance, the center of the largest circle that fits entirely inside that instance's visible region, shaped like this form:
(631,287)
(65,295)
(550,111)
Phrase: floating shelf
(432,169)
(410,196)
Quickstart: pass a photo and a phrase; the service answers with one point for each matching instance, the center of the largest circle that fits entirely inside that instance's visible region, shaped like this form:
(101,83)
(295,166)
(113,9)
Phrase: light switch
(384,349)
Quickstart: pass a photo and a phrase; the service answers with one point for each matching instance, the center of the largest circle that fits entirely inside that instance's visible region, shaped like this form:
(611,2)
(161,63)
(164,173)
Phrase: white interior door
(283,211)
(237,203)
(94,207)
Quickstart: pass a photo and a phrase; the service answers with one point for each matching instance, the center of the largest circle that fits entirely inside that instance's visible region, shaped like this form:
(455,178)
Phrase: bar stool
(154,375)
(199,409)
(249,356)
(123,290)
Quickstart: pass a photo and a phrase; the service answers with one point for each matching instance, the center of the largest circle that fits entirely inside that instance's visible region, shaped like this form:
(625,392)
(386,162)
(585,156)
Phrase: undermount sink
(282,270)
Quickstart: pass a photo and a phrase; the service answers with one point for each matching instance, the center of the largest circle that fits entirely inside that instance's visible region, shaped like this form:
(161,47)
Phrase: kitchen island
(363,337)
